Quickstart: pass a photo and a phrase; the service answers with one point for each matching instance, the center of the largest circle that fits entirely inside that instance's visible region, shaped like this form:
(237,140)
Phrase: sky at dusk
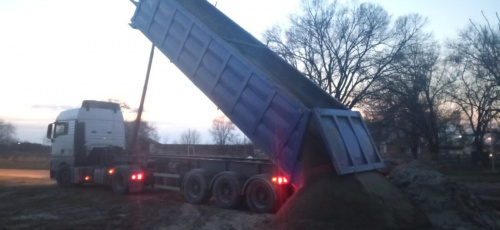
(56,53)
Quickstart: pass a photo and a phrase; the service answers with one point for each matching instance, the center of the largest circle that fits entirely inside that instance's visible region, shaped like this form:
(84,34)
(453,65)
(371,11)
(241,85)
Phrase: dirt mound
(449,205)
(359,201)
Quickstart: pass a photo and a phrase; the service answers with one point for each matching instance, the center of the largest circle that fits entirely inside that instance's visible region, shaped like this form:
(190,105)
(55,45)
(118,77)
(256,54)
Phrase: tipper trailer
(285,114)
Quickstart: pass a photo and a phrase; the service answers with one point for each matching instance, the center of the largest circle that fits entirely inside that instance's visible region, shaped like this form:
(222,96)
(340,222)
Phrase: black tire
(119,182)
(226,192)
(196,190)
(63,176)
(261,197)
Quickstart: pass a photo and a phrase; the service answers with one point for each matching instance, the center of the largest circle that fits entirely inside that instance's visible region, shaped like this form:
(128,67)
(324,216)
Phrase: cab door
(63,139)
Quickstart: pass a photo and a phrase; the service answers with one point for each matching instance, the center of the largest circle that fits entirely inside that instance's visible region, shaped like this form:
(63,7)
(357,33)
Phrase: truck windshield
(61,129)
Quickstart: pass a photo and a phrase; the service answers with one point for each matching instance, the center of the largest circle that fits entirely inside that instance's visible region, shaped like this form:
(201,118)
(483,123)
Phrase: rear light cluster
(87,178)
(280,180)
(137,176)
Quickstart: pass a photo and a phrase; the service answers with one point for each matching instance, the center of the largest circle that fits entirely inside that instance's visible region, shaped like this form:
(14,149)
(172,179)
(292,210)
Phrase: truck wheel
(196,189)
(119,183)
(226,192)
(261,197)
(63,176)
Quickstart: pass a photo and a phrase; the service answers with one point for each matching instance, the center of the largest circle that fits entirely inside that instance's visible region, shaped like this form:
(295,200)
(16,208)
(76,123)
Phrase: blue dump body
(268,99)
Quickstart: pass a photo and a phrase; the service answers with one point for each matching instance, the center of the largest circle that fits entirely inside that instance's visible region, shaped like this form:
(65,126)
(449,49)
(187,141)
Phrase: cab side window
(61,129)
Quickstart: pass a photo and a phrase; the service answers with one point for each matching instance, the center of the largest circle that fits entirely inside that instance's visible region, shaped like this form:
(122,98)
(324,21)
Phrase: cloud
(53,107)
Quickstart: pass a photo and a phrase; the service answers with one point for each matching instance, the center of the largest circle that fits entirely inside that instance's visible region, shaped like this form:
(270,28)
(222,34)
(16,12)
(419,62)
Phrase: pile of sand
(357,201)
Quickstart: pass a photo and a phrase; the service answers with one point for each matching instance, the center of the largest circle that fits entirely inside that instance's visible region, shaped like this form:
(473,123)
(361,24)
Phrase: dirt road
(30,200)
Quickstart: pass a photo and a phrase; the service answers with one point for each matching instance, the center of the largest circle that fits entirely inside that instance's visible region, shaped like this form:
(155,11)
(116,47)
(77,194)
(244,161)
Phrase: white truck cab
(83,136)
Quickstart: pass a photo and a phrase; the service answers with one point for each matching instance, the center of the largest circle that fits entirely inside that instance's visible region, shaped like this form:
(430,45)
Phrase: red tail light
(137,176)
(111,171)
(280,180)
(87,178)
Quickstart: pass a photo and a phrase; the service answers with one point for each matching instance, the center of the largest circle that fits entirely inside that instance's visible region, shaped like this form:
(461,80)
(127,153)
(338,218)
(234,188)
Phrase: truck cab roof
(92,110)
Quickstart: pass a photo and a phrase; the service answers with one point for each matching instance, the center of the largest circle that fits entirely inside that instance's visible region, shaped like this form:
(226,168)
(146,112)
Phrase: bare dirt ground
(30,200)
(36,202)
(447,203)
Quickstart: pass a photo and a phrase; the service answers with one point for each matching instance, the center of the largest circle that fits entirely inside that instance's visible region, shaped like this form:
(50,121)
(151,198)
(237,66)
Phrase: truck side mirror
(49,132)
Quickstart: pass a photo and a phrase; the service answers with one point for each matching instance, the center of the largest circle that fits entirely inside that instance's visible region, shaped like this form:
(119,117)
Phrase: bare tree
(479,44)
(343,49)
(415,92)
(410,102)
(146,129)
(223,131)
(7,133)
(476,53)
(478,99)
(190,137)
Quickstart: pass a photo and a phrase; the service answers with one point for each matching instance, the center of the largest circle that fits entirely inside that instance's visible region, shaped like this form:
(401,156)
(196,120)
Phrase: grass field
(24,160)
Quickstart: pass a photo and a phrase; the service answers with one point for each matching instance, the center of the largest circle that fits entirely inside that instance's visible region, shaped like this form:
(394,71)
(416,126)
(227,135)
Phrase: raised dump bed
(268,99)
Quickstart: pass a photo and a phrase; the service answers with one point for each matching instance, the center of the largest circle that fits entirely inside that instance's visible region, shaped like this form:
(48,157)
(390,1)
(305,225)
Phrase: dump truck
(297,124)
